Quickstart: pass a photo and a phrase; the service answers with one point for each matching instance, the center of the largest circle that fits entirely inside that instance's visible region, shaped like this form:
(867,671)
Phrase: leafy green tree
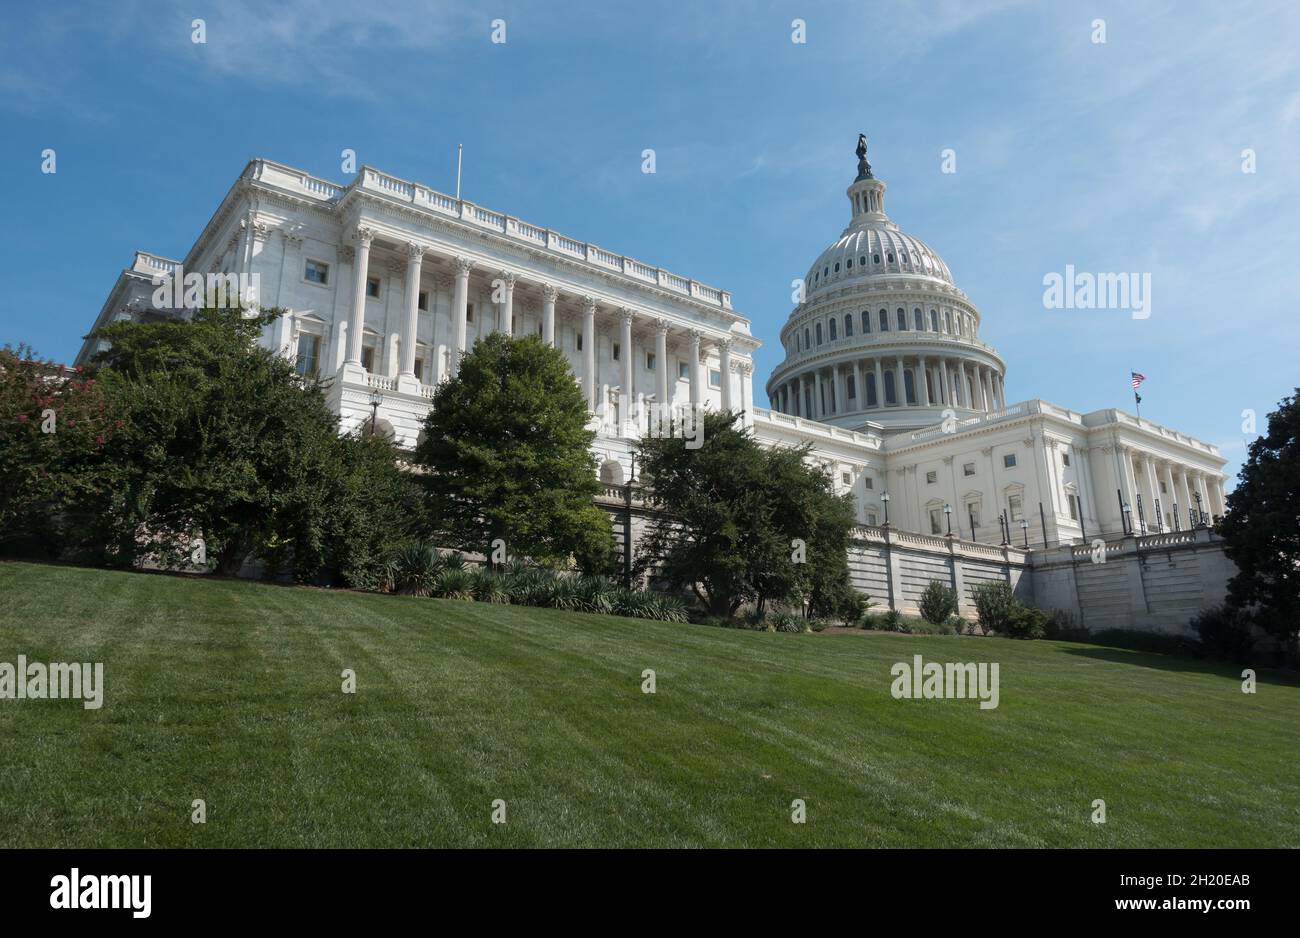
(507,454)
(743,523)
(55,423)
(938,602)
(1261,528)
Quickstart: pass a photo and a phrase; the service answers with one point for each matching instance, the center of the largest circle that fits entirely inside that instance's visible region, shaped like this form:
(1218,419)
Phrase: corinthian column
(589,351)
(661,365)
(356,327)
(460,302)
(407,379)
(724,355)
(549,295)
(625,353)
(695,366)
(506,317)
(922,382)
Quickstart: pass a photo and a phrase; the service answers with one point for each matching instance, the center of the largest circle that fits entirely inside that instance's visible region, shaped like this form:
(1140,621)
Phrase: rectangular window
(615,350)
(372,287)
(1163,490)
(423,301)
(846,478)
(419,370)
(1014,506)
(308,364)
(577,337)
(871,518)
(973,513)
(852,388)
(931,477)
(1072,501)
(469,312)
(715,378)
(1065,459)
(683,371)
(968,469)
(368,357)
(1009,460)
(317,272)
(868,482)
(649,361)
(936,525)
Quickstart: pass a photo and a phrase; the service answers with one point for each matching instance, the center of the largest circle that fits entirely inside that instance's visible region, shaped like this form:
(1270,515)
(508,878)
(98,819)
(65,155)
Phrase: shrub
(994,603)
(595,594)
(892,621)
(1226,633)
(787,622)
(937,603)
(961,626)
(454,582)
(488,587)
(1024,622)
(1061,627)
(414,570)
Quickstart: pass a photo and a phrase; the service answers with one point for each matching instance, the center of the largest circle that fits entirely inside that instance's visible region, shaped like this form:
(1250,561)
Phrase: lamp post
(375,400)
(947,510)
(1024,528)
(1200,515)
(627,525)
(1128,518)
(884,500)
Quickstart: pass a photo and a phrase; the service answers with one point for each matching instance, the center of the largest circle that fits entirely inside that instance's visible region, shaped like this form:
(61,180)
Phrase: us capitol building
(386,282)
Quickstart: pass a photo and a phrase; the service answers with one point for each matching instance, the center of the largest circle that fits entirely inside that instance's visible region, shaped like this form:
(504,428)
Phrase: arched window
(902,258)
(901,315)
(875,258)
(797,347)
(862,261)
(848,324)
(837,267)
(909,386)
(947,321)
(891,396)
(890,257)
(819,333)
(934,320)
(866,321)
(918,320)
(884,320)
(831,323)
(848,263)
(872,398)
(806,343)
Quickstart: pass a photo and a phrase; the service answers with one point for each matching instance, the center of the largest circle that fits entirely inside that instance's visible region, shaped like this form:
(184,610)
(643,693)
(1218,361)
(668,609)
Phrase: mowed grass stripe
(230,691)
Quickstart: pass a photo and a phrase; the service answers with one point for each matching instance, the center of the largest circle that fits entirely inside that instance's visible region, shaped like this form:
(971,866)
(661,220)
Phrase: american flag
(1138,378)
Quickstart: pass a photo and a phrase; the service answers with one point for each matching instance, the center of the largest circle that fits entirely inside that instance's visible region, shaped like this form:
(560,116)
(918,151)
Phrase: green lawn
(231,692)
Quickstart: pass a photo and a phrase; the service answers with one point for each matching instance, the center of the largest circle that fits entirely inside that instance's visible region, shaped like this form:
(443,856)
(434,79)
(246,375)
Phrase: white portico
(385,283)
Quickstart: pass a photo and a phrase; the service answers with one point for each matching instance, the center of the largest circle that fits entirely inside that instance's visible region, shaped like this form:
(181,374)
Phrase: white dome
(875,249)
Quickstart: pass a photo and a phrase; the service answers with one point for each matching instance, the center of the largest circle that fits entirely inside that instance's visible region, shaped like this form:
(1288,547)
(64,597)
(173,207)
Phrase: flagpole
(1137,401)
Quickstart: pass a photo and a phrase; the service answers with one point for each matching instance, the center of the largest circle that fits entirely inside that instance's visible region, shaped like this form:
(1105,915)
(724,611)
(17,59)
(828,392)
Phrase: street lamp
(884,500)
(1200,515)
(947,510)
(1024,527)
(375,400)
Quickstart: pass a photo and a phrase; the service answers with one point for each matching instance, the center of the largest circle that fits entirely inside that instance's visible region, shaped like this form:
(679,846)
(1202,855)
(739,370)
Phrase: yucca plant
(566,593)
(489,587)
(415,569)
(596,594)
(667,608)
(455,583)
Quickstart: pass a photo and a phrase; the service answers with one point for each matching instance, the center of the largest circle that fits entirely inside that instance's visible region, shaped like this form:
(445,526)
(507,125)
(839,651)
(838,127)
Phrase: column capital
(509,277)
(463,266)
(550,293)
(695,335)
(415,251)
(725,344)
(364,236)
(661,326)
(626,314)
(589,304)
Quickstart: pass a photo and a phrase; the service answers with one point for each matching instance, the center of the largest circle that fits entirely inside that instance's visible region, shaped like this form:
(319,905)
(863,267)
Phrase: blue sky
(1123,156)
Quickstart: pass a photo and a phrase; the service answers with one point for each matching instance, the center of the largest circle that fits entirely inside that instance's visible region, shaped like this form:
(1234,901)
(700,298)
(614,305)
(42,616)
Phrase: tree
(937,603)
(507,454)
(54,425)
(743,523)
(1261,528)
